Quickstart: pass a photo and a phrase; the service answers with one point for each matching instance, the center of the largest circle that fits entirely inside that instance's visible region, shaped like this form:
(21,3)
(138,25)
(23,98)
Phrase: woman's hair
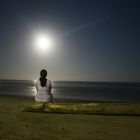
(43,80)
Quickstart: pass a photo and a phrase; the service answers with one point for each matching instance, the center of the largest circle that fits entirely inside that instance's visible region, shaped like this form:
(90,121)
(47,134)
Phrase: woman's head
(43,80)
(43,73)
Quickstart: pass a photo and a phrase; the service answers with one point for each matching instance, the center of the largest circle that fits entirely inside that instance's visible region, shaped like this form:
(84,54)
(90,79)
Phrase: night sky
(93,40)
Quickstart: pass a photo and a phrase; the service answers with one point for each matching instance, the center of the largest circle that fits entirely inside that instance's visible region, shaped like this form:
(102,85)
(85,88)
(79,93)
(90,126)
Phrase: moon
(43,42)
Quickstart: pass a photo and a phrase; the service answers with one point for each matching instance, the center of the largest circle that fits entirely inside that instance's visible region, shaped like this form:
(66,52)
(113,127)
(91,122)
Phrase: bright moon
(43,43)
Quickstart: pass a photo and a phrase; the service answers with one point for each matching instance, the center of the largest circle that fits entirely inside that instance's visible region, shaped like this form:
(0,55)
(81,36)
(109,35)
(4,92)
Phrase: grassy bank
(84,108)
(17,125)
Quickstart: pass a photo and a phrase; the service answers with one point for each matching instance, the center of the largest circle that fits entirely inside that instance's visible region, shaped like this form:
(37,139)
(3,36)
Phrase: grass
(84,108)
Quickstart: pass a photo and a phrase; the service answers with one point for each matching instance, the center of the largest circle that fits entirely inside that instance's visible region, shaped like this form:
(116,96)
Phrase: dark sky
(96,40)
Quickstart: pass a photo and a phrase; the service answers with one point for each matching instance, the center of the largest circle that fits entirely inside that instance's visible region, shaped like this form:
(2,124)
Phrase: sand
(17,125)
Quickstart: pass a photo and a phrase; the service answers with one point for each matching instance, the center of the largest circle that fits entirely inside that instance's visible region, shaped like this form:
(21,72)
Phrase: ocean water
(77,91)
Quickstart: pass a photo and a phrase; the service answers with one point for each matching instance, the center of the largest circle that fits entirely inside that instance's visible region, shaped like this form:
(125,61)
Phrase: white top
(42,94)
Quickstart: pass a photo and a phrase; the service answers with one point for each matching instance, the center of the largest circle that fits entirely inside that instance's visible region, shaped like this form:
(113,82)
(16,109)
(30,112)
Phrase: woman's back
(43,87)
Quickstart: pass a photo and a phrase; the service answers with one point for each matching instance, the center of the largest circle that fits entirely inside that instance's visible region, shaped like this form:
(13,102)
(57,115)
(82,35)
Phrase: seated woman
(43,87)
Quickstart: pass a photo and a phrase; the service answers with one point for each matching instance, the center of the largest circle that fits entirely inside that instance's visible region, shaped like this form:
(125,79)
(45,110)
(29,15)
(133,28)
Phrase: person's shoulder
(49,81)
(38,82)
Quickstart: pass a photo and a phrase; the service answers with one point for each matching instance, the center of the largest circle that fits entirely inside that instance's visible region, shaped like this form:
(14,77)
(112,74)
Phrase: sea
(79,91)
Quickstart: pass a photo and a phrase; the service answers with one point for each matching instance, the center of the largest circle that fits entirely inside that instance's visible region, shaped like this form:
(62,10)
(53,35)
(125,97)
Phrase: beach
(17,125)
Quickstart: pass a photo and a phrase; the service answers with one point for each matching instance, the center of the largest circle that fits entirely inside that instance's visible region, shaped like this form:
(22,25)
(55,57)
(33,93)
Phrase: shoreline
(64,100)
(77,91)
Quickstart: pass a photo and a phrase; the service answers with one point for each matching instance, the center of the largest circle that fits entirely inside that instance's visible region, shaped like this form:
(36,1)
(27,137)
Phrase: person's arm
(36,86)
(50,88)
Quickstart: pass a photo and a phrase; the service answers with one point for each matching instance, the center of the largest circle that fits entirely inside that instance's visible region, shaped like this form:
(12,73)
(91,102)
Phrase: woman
(43,87)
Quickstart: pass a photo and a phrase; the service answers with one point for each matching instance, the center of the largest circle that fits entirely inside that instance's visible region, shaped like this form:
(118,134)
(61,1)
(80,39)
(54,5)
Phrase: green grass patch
(83,108)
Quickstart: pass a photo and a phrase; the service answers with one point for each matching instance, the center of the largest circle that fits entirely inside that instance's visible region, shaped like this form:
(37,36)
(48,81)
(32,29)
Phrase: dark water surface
(77,91)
